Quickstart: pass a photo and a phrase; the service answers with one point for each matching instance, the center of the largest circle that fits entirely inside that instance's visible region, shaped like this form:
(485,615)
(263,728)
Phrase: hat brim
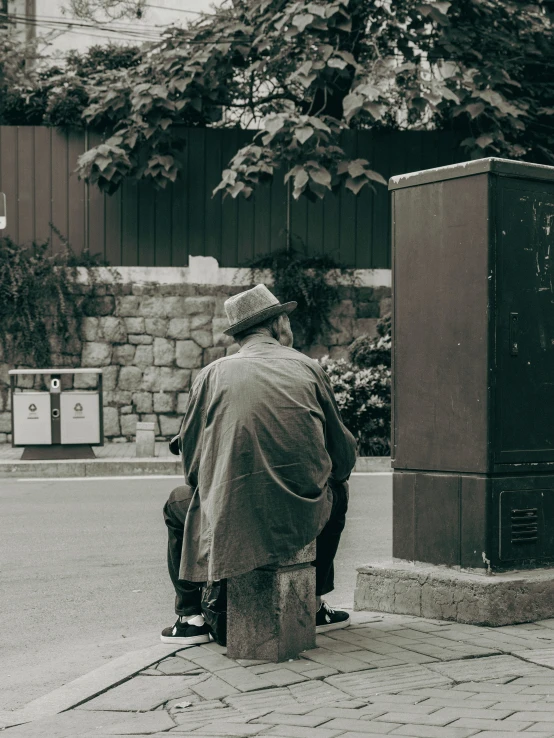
(286,307)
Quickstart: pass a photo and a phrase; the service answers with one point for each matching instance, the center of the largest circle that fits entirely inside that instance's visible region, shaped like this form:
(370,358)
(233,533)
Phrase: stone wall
(152,339)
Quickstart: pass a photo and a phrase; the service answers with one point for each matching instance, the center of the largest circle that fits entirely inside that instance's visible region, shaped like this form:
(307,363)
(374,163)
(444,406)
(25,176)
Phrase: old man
(266,460)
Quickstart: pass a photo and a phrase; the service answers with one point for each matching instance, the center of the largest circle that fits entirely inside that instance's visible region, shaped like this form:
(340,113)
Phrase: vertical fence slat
(76,193)
(229,207)
(112,228)
(364,207)
(381,206)
(96,211)
(146,223)
(60,177)
(196,192)
(179,212)
(43,183)
(347,233)
(163,227)
(246,209)
(278,214)
(25,180)
(213,204)
(129,224)
(8,180)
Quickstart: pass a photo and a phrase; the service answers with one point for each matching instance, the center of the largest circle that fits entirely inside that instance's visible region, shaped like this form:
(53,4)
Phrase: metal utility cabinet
(473,365)
(56,416)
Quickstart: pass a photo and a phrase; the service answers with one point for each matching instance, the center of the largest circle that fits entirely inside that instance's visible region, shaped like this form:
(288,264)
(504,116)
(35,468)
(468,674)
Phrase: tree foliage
(301,72)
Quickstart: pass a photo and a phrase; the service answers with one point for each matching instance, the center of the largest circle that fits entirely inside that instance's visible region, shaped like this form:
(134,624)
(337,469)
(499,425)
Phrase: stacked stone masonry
(151,341)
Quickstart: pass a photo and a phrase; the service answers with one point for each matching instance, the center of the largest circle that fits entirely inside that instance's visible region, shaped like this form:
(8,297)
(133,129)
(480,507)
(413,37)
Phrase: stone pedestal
(443,593)
(271,611)
(145,440)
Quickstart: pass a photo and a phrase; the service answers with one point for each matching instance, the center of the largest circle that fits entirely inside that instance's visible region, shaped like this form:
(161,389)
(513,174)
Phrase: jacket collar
(257,338)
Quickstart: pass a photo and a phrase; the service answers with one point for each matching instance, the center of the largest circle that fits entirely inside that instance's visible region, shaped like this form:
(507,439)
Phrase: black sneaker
(185,634)
(328,619)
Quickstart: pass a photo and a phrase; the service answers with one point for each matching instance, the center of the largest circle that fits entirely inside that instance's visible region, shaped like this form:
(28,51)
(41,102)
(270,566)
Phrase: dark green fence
(140,227)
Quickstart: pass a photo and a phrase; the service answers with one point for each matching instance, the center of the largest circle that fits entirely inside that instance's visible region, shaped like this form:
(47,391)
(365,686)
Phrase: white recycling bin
(80,417)
(31,419)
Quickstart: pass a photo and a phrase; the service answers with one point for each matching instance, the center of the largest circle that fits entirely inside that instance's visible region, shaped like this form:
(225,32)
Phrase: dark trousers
(188,594)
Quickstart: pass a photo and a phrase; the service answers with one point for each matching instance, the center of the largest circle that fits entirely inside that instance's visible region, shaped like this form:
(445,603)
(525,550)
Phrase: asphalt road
(83,577)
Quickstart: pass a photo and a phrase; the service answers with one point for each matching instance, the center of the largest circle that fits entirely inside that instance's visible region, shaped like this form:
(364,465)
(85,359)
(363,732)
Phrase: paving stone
(350,734)
(270,698)
(536,717)
(510,734)
(361,726)
(341,712)
(334,660)
(284,677)
(413,718)
(66,725)
(428,731)
(141,723)
(204,715)
(212,661)
(453,713)
(421,708)
(230,729)
(392,679)
(267,667)
(498,726)
(405,698)
(140,694)
(316,692)
(242,679)
(521,704)
(486,687)
(176,665)
(486,668)
(331,644)
(282,718)
(214,689)
(293,731)
(437,702)
(544,657)
(254,662)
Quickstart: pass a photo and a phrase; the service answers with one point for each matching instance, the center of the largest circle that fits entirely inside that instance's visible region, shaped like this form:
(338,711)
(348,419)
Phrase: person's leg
(327,544)
(190,626)
(187,594)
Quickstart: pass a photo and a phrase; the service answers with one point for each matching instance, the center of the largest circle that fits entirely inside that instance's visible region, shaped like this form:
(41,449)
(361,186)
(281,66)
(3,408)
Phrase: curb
(88,686)
(135,467)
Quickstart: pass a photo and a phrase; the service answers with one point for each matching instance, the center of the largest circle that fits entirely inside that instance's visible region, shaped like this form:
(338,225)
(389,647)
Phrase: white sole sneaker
(332,626)
(185,641)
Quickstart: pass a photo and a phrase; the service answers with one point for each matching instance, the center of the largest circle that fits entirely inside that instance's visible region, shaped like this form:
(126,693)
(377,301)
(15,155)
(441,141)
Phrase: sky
(67,33)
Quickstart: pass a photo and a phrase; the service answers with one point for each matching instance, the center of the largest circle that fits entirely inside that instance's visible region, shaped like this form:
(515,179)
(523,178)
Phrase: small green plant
(40,308)
(312,281)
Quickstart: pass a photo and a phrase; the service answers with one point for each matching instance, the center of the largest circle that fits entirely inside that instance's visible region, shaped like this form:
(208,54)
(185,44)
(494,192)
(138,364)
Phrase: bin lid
(55,371)
(506,167)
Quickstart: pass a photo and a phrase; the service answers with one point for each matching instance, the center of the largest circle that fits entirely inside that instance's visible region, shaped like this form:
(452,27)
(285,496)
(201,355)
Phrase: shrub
(364,400)
(366,352)
(40,309)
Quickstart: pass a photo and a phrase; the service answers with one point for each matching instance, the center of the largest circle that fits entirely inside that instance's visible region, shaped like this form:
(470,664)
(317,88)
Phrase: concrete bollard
(145,440)
(271,611)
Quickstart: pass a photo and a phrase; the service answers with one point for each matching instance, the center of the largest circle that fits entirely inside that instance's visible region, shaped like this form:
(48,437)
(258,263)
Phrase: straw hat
(253,306)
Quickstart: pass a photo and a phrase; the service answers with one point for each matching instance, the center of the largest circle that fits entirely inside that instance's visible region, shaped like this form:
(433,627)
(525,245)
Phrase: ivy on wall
(312,281)
(40,304)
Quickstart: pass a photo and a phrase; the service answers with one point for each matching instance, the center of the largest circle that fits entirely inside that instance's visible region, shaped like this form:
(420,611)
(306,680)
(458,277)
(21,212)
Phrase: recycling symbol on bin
(78,408)
(32,408)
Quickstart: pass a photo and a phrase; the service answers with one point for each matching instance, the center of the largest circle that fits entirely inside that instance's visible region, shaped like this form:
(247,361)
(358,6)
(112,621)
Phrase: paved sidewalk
(385,675)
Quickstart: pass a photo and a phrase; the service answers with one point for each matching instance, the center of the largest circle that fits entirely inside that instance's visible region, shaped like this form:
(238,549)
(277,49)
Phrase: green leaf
(475,109)
(302,20)
(355,184)
(351,105)
(484,141)
(303,133)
